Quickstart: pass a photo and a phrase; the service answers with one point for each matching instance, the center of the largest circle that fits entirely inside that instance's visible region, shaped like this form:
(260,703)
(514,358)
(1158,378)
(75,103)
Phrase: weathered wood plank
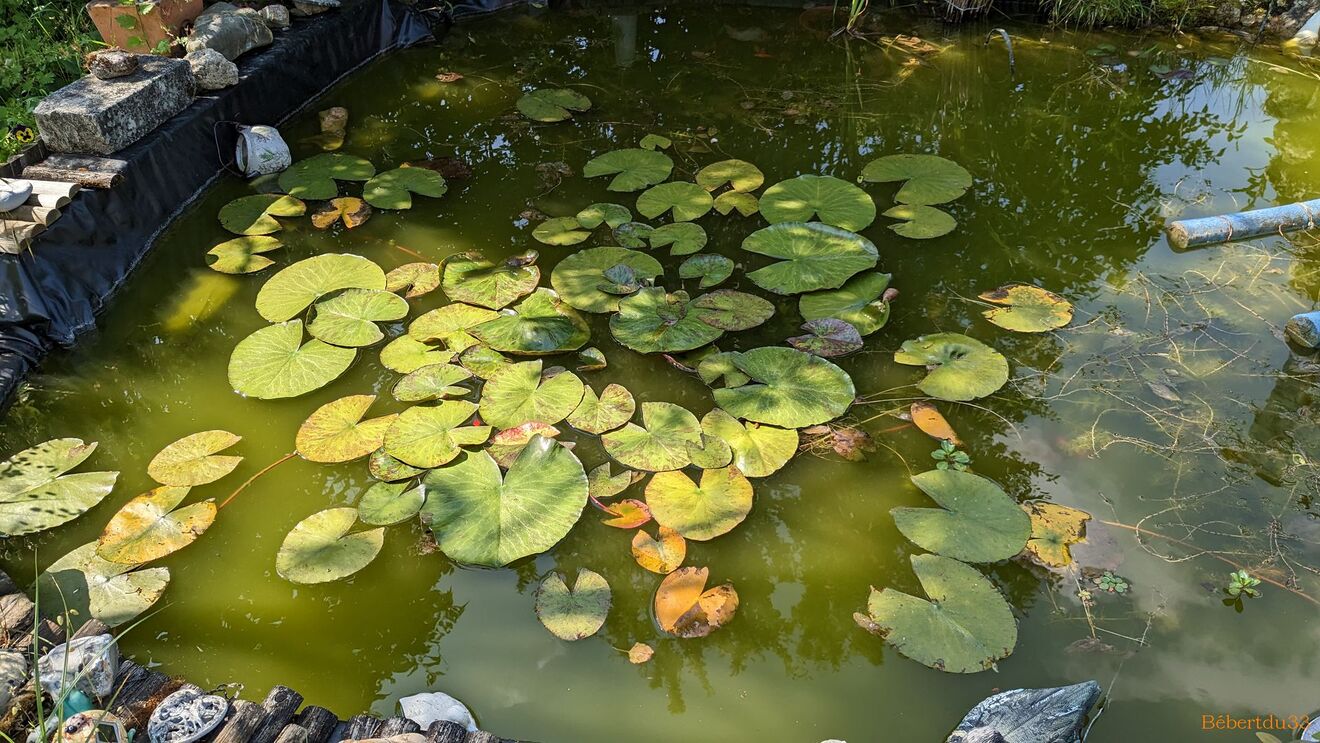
(280,705)
(481,736)
(363,726)
(292,734)
(17,614)
(444,731)
(85,170)
(397,726)
(319,723)
(91,628)
(55,188)
(15,240)
(135,684)
(42,215)
(49,634)
(339,733)
(241,721)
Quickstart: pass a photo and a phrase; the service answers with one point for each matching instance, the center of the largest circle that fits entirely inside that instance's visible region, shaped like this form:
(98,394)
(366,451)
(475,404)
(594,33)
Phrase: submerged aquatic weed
(949,455)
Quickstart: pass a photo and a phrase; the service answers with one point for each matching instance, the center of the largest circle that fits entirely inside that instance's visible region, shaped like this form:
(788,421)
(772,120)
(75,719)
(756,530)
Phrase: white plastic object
(261,151)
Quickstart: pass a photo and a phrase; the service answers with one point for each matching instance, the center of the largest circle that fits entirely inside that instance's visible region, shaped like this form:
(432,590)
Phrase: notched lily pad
(831,200)
(744,203)
(602,484)
(928,179)
(758,450)
(596,415)
(406,354)
(921,222)
(1027,309)
(290,291)
(450,325)
(432,435)
(274,362)
(193,459)
(787,388)
(560,231)
(242,255)
(827,337)
(635,235)
(711,268)
(432,382)
(608,214)
(961,368)
(700,511)
(684,608)
(335,432)
(37,493)
(573,613)
(320,548)
(393,189)
(315,177)
(976,521)
(633,169)
(349,318)
(93,587)
(860,302)
(518,393)
(578,277)
(684,201)
(351,211)
(152,526)
(813,256)
(540,324)
(549,105)
(740,175)
(471,278)
(413,279)
(683,238)
(663,554)
(1054,529)
(255,215)
(390,503)
(660,443)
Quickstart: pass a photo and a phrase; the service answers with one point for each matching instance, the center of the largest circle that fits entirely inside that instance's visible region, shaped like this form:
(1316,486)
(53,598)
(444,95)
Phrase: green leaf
(431,435)
(148,527)
(540,324)
(406,354)
(471,278)
(744,203)
(788,388)
(727,309)
(1054,529)
(320,548)
(37,494)
(596,415)
(660,443)
(601,484)
(929,179)
(605,213)
(827,337)
(432,382)
(633,169)
(335,432)
(242,255)
(1027,309)
(654,321)
(271,363)
(976,521)
(349,318)
(758,451)
(127,21)
(633,234)
(449,324)
(506,445)
(921,222)
(832,201)
(655,142)
(712,269)
(393,189)
(192,460)
(578,277)
(482,518)
(552,104)
(385,468)
(962,368)
(483,361)
(314,178)
(720,365)
(560,231)
(390,503)
(572,614)
(687,201)
(290,291)
(418,279)
(518,394)
(741,176)
(94,588)
(255,215)
(591,359)
(700,511)
(683,238)
(815,256)
(965,626)
(858,302)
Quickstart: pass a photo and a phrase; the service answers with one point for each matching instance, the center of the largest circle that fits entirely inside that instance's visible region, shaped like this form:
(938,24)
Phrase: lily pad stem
(252,479)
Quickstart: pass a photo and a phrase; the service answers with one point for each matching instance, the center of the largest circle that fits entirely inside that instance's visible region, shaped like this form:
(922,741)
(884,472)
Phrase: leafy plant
(1110,583)
(949,455)
(1241,583)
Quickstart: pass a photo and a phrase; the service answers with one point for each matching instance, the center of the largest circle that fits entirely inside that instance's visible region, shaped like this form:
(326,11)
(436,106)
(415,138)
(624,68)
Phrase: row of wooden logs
(19,226)
(280,718)
(55,178)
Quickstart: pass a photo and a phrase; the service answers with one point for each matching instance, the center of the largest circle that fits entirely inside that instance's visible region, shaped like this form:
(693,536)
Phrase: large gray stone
(211,70)
(228,30)
(1029,716)
(99,117)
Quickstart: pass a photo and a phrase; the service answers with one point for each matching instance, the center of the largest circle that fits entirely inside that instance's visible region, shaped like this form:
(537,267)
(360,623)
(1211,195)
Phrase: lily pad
(449,325)
(353,212)
(471,278)
(242,255)
(414,279)
(727,309)
(628,513)
(192,460)
(609,214)
(431,435)
(663,554)
(640,653)
(815,256)
(505,446)
(831,200)
(549,105)
(92,587)
(273,363)
(712,453)
(349,318)
(633,234)
(602,484)
(741,176)
(633,169)
(683,238)
(393,189)
(720,366)
(315,177)
(965,626)
(859,302)
(928,179)
(921,222)
(962,368)
(685,201)
(1027,309)
(538,325)
(660,443)
(596,415)
(827,337)
(320,548)
(483,361)
(591,359)
(482,518)
(787,388)
(290,291)
(385,468)
(655,321)
(560,231)
(684,608)
(655,142)
(255,215)
(37,494)
(758,451)
(712,269)
(578,277)
(519,394)
(335,432)
(151,526)
(743,203)
(573,613)
(432,382)
(390,503)
(1054,529)
(977,521)
(928,419)
(700,511)
(406,354)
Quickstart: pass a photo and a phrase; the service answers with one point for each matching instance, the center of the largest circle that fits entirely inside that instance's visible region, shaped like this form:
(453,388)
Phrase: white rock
(13,672)
(13,194)
(425,709)
(211,70)
(89,663)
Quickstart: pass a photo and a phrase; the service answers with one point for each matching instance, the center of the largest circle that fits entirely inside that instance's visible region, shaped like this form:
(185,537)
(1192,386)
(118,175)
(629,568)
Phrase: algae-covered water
(1170,409)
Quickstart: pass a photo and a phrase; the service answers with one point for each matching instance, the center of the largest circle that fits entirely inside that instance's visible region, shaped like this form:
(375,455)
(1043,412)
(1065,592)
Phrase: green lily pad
(431,435)
(929,179)
(349,318)
(831,200)
(758,451)
(596,415)
(151,526)
(712,453)
(482,518)
(549,105)
(578,277)
(633,169)
(36,493)
(471,278)
(744,203)
(815,256)
(390,503)
(741,176)
(633,234)
(192,460)
(964,628)
(335,432)
(655,142)
(611,215)
(827,337)
(660,443)
(858,302)
(273,363)
(519,394)
(787,388)
(393,189)
(727,309)
(721,366)
(450,325)
(921,222)
(683,238)
(962,368)
(560,231)
(700,511)
(414,279)
(506,445)
(95,588)
(711,268)
(976,521)
(320,548)
(1027,309)
(654,321)
(591,359)
(290,291)
(540,324)
(602,484)
(406,354)
(242,255)
(483,361)
(255,215)
(572,614)
(314,178)
(686,201)
(432,382)
(385,468)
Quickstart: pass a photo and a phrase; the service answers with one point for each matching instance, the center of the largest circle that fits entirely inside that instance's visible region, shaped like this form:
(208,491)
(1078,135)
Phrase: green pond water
(1170,403)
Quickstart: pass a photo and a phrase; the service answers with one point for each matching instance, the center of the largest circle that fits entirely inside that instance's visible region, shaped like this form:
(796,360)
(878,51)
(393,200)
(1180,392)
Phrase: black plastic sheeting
(52,293)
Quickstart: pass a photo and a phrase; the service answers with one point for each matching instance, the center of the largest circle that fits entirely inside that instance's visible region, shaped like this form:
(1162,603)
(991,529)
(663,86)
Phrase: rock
(89,663)
(312,7)
(99,117)
(108,64)
(275,17)
(1029,716)
(211,70)
(226,29)
(14,194)
(187,715)
(13,672)
(427,708)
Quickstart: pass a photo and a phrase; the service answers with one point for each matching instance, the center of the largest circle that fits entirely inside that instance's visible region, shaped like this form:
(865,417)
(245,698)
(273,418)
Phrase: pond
(1170,408)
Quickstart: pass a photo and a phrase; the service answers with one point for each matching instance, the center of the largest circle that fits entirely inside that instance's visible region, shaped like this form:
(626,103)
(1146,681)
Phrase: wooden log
(85,170)
(91,628)
(135,684)
(444,731)
(481,736)
(16,240)
(397,726)
(48,635)
(339,733)
(54,188)
(292,734)
(1187,233)
(319,723)
(48,200)
(17,615)
(242,720)
(363,726)
(42,215)
(280,705)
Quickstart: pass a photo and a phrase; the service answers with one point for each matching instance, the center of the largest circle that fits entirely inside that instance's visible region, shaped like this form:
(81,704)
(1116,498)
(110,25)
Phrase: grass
(1136,13)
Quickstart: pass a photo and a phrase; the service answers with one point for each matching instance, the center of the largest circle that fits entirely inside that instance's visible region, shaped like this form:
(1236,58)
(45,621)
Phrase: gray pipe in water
(1186,233)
